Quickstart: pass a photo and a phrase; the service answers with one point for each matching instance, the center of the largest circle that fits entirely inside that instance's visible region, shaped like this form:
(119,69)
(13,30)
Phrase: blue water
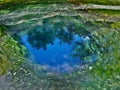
(53,50)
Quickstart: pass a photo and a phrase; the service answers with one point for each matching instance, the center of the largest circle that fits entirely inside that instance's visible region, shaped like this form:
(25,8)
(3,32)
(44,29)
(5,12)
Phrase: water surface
(52,48)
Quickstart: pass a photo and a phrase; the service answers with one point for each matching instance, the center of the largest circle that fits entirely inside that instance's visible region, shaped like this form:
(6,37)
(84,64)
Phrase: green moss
(105,12)
(116,25)
(11,53)
(107,64)
(11,4)
(104,2)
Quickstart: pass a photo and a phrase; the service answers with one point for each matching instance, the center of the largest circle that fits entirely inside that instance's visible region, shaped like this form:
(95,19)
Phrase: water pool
(59,47)
(52,47)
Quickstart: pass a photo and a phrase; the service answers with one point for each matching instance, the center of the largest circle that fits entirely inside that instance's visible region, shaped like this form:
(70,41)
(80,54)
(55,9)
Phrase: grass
(32,1)
(104,11)
(13,4)
(8,4)
(103,2)
(106,2)
(116,25)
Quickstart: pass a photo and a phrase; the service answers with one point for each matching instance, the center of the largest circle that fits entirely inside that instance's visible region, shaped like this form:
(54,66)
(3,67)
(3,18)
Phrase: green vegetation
(11,53)
(108,58)
(105,12)
(104,2)
(101,74)
(103,47)
(32,1)
(116,25)
(8,3)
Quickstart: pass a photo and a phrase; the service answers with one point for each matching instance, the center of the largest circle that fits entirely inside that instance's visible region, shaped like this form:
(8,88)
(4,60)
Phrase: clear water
(53,49)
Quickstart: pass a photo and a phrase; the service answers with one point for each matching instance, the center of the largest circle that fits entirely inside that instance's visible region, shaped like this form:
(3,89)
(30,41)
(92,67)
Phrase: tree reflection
(46,34)
(40,39)
(84,50)
(65,35)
